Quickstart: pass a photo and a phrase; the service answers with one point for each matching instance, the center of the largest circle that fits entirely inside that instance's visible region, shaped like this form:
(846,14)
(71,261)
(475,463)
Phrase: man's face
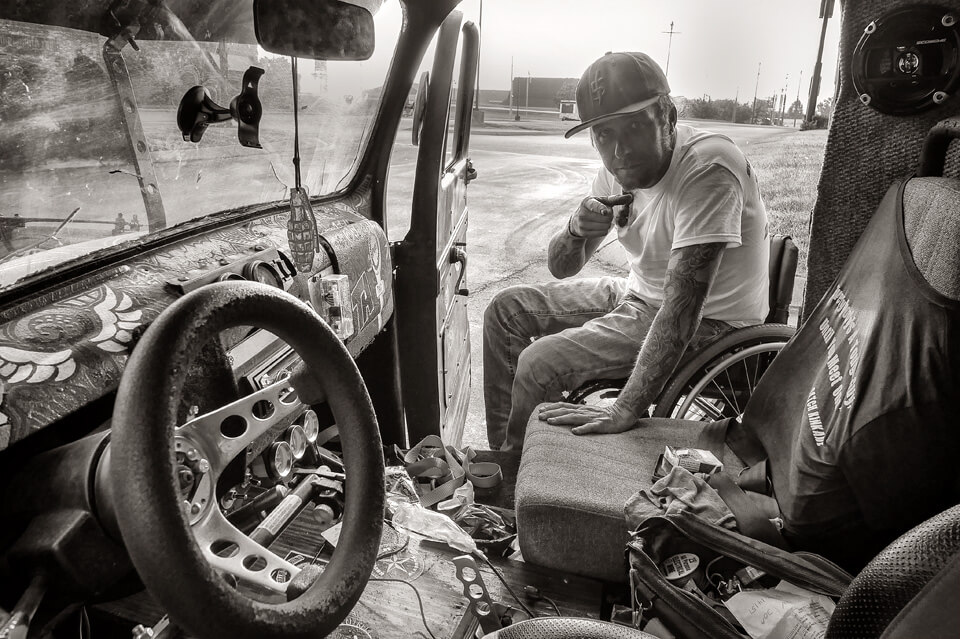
(636,148)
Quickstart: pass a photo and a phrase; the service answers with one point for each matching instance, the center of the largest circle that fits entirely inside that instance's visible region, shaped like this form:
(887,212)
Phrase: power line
(666,71)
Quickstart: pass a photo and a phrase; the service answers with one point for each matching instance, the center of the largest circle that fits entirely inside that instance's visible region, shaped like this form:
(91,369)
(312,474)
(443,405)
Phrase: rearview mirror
(315,29)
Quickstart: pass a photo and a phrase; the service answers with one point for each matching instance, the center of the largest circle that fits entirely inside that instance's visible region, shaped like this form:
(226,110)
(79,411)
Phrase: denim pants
(541,340)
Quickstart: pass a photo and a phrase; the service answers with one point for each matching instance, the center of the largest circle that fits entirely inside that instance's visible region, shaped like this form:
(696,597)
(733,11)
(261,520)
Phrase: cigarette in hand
(623,199)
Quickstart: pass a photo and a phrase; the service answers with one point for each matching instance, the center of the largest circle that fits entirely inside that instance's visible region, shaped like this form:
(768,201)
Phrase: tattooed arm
(573,245)
(690,273)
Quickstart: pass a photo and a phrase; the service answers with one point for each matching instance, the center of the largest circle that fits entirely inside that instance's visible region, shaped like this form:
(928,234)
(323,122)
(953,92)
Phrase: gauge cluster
(267,266)
(294,471)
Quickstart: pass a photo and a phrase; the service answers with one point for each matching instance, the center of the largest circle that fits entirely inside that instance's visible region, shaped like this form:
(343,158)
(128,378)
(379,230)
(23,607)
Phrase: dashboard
(66,347)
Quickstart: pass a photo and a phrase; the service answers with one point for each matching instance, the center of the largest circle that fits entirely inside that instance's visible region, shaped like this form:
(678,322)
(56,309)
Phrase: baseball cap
(618,84)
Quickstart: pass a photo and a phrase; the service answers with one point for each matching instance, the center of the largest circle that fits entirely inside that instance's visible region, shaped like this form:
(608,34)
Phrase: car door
(431,286)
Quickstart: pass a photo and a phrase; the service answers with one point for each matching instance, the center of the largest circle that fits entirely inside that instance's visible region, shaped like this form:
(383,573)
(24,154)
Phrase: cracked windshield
(92,154)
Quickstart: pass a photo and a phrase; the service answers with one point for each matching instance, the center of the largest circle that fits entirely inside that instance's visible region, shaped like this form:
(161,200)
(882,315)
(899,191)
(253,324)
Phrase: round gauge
(311,425)
(227,277)
(280,460)
(297,439)
(263,272)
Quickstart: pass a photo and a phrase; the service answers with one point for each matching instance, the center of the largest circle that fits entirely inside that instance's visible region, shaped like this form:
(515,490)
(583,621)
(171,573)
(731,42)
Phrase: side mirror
(420,106)
(315,29)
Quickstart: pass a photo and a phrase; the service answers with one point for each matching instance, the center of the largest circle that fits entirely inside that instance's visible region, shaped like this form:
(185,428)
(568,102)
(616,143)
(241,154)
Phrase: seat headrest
(931,220)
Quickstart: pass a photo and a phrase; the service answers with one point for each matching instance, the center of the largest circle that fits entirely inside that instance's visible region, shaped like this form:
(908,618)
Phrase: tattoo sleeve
(690,273)
(567,254)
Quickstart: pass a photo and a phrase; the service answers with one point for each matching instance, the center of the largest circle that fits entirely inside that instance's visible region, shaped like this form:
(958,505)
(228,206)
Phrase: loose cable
(423,614)
(503,579)
(552,603)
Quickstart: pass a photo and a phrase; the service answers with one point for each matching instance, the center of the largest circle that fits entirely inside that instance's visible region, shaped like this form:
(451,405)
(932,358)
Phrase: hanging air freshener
(302,234)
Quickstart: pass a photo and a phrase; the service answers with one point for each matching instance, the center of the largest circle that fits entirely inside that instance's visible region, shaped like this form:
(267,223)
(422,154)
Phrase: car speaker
(908,61)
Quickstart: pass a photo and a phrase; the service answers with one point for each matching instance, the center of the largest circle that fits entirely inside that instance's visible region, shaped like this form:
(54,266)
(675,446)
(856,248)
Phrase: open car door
(431,261)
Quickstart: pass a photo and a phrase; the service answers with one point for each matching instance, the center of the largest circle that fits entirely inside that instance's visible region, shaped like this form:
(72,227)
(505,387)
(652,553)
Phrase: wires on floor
(423,614)
(503,580)
(533,593)
(552,603)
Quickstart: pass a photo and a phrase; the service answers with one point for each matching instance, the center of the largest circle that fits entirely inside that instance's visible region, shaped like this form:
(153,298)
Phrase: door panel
(431,290)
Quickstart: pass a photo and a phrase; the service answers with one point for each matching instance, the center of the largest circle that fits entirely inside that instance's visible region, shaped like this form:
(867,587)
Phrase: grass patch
(788,168)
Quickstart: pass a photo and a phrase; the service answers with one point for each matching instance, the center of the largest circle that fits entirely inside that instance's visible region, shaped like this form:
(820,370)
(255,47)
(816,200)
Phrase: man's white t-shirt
(709,194)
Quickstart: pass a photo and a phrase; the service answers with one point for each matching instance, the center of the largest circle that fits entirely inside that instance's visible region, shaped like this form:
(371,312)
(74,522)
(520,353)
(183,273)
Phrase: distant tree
(275,87)
(701,108)
(795,110)
(825,107)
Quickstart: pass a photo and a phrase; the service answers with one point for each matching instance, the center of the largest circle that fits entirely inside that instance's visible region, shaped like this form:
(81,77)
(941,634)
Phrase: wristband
(570,229)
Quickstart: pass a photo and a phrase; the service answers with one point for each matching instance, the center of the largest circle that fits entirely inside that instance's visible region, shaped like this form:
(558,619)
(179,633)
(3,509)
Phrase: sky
(716,50)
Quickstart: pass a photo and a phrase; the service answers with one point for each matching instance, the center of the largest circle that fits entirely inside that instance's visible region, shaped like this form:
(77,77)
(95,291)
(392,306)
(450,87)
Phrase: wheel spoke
(230,551)
(754,377)
(722,392)
(733,390)
(220,435)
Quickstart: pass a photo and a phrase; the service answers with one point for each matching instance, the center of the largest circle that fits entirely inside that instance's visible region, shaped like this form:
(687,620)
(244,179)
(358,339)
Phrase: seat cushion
(571,491)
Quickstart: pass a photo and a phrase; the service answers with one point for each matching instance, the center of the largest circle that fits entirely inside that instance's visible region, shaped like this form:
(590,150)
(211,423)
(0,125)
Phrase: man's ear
(672,118)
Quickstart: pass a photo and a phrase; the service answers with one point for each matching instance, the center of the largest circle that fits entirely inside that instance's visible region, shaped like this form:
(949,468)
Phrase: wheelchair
(717,380)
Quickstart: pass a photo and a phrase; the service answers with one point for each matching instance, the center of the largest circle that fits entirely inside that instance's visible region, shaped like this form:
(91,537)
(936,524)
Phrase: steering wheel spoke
(230,551)
(219,436)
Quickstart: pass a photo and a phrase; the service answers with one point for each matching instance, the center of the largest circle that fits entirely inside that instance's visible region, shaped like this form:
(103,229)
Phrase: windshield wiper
(39,246)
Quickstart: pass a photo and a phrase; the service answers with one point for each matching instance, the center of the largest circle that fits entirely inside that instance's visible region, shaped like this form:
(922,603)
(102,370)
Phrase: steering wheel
(181,549)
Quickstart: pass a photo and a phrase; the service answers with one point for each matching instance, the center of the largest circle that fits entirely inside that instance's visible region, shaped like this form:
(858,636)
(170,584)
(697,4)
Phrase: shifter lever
(197,111)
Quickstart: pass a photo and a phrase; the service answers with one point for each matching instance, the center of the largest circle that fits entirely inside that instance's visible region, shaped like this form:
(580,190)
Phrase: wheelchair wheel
(718,381)
(599,392)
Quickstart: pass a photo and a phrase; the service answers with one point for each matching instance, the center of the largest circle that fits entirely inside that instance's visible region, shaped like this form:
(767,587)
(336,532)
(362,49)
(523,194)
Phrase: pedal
(477,594)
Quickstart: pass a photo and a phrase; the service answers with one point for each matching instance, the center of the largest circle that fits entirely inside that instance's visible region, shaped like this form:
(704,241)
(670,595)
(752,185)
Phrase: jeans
(541,340)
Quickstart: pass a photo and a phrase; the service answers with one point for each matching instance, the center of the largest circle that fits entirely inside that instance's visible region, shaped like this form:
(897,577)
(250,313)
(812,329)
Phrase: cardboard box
(696,460)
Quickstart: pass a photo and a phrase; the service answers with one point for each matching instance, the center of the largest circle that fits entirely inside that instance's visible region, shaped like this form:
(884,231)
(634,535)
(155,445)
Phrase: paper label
(679,566)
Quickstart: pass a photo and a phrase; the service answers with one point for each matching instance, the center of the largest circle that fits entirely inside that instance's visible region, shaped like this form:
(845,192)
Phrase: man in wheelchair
(689,215)
(850,432)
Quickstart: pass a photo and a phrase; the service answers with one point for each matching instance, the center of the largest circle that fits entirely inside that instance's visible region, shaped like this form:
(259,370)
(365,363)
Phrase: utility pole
(799,82)
(510,108)
(666,71)
(826,12)
(753,117)
(783,98)
(479,44)
(736,103)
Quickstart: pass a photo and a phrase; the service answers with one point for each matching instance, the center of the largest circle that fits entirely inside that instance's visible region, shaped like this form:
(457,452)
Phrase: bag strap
(751,521)
(820,575)
(731,432)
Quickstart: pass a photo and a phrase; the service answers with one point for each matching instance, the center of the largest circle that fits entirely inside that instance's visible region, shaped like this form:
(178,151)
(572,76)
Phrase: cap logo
(597,88)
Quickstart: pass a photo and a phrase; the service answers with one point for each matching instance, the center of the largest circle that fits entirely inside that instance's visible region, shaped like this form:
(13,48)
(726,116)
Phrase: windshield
(92,156)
